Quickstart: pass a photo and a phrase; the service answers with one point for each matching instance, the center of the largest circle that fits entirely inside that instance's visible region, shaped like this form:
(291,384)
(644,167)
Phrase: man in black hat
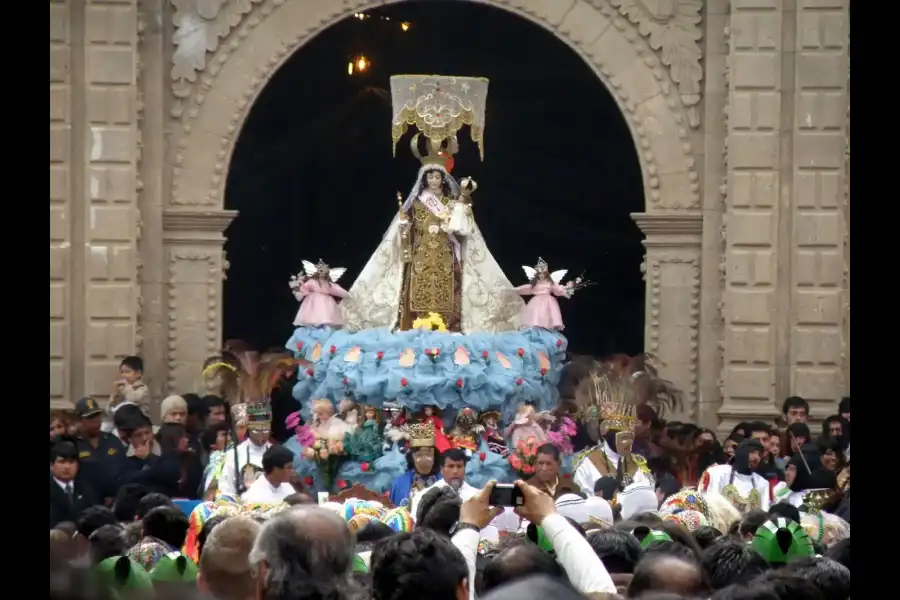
(100,453)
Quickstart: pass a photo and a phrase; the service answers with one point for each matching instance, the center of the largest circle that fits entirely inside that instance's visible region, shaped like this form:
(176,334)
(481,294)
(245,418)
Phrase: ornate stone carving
(199,26)
(655,301)
(194,284)
(672,27)
(667,27)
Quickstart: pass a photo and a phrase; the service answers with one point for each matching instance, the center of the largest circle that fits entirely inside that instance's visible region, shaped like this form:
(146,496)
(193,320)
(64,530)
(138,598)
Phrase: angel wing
(309,268)
(557,276)
(530,272)
(335,274)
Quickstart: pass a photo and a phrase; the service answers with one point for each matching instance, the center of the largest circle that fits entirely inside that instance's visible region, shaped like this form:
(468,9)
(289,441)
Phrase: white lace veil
(417,186)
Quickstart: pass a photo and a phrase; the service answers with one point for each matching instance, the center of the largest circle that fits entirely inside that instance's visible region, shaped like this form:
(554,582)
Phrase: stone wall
(94,219)
(738,111)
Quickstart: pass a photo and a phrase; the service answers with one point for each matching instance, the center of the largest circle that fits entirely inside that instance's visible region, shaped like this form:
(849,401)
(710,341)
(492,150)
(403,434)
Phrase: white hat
(636,499)
(599,511)
(574,507)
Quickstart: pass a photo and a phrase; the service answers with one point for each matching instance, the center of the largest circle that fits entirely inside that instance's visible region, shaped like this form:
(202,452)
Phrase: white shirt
(247,453)
(586,474)
(66,486)
(465,492)
(263,491)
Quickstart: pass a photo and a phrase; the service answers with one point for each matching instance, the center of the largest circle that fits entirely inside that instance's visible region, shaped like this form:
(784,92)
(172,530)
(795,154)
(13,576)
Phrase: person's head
(829,576)
(835,426)
(126,418)
(196,412)
(277,464)
(799,436)
(224,564)
(150,501)
(664,572)
(795,410)
(518,562)
(619,551)
(93,518)
(215,437)
(546,464)
(730,561)
(127,500)
(420,564)
(298,499)
(730,445)
(173,410)
(453,467)
(90,417)
(64,460)
(752,521)
(760,431)
(706,536)
(788,586)
(666,486)
(303,552)
(748,455)
(786,510)
(424,460)
(106,541)
(131,368)
(172,437)
(140,428)
(216,410)
(607,487)
(801,466)
(831,453)
(844,407)
(60,423)
(166,523)
(774,447)
(438,510)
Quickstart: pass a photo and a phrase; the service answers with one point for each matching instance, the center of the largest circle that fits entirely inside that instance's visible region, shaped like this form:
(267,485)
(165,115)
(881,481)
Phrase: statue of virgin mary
(433,259)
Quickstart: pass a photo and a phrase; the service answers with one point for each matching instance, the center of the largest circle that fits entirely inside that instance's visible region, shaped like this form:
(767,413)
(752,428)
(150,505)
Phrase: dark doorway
(313,177)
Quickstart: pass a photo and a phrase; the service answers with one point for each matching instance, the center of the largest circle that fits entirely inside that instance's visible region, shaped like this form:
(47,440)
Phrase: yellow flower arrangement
(433,322)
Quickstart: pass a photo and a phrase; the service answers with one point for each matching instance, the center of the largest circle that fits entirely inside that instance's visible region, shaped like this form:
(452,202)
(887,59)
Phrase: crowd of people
(635,507)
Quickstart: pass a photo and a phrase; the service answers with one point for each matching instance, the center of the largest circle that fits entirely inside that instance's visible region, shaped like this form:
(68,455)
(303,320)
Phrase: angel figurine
(543,309)
(316,290)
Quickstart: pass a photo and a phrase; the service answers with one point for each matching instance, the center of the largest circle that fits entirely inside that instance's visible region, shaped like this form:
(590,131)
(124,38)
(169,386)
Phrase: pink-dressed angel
(543,309)
(316,290)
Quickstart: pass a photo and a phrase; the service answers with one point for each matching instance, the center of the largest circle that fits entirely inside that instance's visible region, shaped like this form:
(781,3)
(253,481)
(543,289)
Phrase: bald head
(661,572)
(301,550)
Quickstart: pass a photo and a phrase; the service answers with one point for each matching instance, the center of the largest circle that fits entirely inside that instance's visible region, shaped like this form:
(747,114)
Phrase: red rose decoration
(482,456)
(308,480)
(346,381)
(558,343)
(309,372)
(364,467)
(485,355)
(437,351)
(520,352)
(299,345)
(543,371)
(519,381)
(332,350)
(404,382)
(380,355)
(341,484)
(459,383)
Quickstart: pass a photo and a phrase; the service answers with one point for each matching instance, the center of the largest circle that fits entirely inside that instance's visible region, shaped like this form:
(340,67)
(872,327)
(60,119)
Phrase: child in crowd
(128,389)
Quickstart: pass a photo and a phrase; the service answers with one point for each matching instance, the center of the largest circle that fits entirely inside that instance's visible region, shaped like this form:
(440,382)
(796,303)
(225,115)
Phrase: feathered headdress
(614,390)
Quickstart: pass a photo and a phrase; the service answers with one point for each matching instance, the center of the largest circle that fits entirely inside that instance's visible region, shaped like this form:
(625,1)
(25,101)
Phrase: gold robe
(432,280)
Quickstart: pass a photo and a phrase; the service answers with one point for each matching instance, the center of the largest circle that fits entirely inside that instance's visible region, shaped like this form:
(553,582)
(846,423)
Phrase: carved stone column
(672,271)
(193,245)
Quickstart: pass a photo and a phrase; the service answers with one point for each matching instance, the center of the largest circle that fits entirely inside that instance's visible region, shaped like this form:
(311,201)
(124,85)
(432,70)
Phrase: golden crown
(421,435)
(438,152)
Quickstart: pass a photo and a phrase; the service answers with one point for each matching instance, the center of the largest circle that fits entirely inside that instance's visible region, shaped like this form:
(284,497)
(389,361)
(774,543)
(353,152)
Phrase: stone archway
(645,52)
